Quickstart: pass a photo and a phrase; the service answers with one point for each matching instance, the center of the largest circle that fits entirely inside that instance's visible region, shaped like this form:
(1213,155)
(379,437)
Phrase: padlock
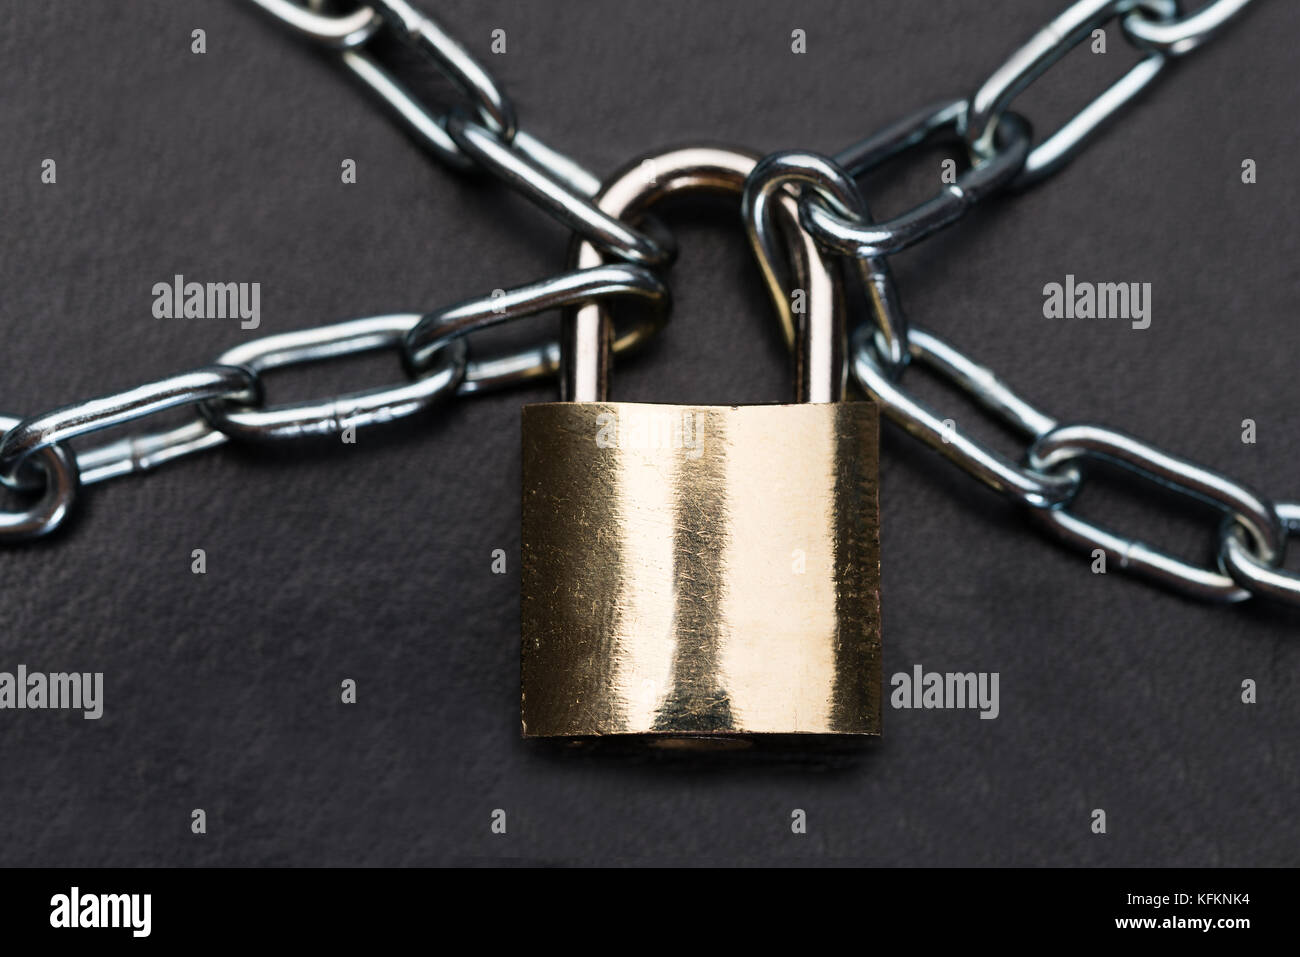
(701,574)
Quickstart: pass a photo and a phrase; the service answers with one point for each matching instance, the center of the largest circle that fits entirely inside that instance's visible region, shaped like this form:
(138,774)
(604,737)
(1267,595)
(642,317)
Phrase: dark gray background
(373,561)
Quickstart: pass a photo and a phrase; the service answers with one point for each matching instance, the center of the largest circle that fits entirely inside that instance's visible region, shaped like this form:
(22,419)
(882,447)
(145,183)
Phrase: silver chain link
(482,132)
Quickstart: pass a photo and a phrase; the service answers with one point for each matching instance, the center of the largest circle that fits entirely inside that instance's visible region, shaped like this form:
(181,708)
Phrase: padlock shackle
(817,334)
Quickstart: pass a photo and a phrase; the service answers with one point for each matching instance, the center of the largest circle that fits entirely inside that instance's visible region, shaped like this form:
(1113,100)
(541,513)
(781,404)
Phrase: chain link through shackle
(1251,539)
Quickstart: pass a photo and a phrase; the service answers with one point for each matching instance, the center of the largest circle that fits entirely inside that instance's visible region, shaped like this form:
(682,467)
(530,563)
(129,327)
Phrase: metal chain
(482,132)
(229,394)
(997,139)
(1251,540)
(1251,536)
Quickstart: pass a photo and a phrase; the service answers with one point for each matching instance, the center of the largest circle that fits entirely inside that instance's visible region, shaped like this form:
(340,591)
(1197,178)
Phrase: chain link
(835,191)
(337,414)
(61,425)
(989,103)
(1253,571)
(58,486)
(1176,36)
(1029,486)
(431,333)
(858,236)
(335,32)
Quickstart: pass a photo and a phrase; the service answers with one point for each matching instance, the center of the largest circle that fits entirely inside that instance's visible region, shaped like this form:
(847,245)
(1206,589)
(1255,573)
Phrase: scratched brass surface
(700,571)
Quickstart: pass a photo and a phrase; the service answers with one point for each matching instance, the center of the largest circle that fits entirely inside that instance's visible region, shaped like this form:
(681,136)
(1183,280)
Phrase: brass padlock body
(698,571)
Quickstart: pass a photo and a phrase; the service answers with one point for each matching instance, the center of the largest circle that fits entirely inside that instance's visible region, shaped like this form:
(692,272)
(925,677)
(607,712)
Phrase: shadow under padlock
(703,576)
